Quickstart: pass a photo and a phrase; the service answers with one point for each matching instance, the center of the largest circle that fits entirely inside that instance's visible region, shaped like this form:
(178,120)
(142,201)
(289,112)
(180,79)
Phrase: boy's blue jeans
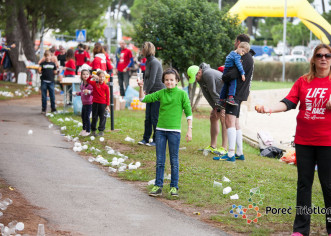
(50,87)
(229,89)
(173,139)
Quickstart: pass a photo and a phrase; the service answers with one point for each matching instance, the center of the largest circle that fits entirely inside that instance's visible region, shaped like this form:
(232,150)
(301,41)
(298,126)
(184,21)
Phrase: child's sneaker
(231,101)
(156,191)
(240,157)
(142,142)
(43,112)
(173,192)
(93,133)
(82,133)
(100,133)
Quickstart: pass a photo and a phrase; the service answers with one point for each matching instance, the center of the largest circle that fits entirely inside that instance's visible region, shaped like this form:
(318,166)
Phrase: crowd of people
(225,89)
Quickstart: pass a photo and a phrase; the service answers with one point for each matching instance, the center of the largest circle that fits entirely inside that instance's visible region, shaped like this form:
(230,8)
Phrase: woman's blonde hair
(148,49)
(312,71)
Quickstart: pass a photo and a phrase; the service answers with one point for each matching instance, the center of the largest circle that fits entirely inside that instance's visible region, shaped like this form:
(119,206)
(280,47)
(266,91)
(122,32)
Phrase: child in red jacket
(101,101)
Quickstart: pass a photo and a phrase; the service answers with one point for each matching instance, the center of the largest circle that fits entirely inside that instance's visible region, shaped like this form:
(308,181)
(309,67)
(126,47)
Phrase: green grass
(276,180)
(261,85)
(12,87)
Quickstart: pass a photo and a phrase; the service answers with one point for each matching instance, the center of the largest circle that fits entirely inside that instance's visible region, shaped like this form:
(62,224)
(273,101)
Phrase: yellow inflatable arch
(275,8)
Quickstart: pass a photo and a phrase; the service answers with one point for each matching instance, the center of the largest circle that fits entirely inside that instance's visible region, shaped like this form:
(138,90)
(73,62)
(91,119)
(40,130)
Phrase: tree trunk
(28,44)
(13,35)
(249,23)
(197,100)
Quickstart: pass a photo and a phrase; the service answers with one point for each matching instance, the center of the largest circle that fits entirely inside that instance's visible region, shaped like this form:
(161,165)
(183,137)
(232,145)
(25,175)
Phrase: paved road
(75,194)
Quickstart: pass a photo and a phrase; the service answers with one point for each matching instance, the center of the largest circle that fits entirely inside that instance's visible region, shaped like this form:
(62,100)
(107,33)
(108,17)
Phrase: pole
(284,38)
(42,37)
(108,25)
(220,4)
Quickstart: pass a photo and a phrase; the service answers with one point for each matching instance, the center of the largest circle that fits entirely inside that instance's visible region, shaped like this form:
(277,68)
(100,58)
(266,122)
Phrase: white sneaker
(82,133)
(85,134)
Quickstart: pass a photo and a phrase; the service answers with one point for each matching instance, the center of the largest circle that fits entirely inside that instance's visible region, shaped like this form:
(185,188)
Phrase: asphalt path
(74,194)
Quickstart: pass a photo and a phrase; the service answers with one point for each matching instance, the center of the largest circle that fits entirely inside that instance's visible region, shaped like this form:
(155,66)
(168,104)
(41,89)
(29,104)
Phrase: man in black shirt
(48,70)
(232,112)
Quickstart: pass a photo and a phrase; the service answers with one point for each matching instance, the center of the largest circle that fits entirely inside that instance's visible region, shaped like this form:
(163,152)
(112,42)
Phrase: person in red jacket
(80,56)
(100,100)
(124,62)
(99,61)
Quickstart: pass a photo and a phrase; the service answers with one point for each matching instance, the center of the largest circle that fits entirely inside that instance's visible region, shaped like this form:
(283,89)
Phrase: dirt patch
(23,211)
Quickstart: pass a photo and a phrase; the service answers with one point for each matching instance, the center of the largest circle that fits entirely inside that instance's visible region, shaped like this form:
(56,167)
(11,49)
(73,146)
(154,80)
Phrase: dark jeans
(173,139)
(151,119)
(86,112)
(98,110)
(50,87)
(123,80)
(307,157)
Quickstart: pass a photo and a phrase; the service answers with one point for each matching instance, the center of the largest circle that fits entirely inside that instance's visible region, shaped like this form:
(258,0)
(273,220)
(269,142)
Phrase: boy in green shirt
(172,103)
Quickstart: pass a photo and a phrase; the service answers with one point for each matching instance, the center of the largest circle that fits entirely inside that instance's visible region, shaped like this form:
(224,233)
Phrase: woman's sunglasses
(320,56)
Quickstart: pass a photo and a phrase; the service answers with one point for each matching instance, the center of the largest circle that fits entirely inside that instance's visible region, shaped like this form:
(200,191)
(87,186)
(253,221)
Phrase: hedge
(272,71)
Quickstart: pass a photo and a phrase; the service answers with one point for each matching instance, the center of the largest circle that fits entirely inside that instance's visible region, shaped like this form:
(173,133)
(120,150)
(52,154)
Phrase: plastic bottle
(41,230)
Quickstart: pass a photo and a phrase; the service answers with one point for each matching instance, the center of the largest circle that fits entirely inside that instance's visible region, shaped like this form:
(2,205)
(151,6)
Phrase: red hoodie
(100,92)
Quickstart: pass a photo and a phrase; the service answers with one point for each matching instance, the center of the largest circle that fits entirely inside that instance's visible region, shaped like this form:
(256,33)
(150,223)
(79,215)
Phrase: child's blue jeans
(173,139)
(50,87)
(229,89)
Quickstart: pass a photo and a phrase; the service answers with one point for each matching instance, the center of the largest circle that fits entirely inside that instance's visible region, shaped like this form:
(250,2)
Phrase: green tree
(187,32)
(296,34)
(23,19)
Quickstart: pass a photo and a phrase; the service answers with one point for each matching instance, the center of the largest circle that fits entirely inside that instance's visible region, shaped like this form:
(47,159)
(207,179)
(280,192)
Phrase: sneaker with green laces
(211,149)
(221,151)
(156,191)
(173,192)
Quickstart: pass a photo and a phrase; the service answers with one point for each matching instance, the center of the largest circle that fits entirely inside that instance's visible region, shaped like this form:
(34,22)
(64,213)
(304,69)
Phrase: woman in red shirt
(313,135)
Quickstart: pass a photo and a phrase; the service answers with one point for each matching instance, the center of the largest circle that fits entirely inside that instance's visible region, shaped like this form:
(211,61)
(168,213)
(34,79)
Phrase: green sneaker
(173,192)
(221,151)
(211,149)
(156,191)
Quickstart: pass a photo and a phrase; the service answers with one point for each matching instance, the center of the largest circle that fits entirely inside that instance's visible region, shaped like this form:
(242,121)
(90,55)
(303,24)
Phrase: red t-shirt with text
(124,60)
(313,120)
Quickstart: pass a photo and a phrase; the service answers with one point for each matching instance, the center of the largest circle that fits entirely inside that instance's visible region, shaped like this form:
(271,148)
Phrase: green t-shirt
(172,103)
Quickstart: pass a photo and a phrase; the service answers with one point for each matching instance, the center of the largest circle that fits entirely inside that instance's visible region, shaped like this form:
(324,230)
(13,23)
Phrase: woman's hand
(140,83)
(262,109)
(107,108)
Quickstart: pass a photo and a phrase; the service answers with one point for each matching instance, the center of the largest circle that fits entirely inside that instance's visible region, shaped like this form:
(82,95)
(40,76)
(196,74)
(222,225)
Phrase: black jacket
(242,91)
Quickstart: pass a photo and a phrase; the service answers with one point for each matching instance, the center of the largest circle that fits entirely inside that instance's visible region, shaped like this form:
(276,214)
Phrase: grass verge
(276,181)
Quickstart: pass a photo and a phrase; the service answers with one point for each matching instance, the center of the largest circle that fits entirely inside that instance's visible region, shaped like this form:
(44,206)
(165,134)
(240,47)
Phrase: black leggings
(98,110)
(307,158)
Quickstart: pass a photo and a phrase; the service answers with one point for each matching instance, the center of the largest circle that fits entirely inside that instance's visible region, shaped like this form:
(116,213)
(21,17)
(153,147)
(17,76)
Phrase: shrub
(272,71)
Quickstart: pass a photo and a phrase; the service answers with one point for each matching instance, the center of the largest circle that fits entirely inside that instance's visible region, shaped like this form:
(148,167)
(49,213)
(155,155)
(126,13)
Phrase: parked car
(301,51)
(294,58)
